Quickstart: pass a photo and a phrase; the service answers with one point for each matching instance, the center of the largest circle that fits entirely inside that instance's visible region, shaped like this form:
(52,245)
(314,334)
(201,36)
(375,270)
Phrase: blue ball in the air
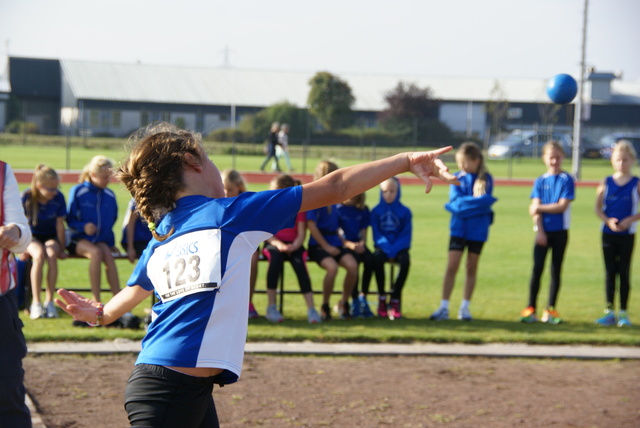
(562,88)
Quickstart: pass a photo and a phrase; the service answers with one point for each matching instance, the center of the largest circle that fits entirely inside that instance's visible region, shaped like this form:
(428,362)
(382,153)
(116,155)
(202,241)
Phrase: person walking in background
(471,215)
(91,215)
(198,265)
(282,149)
(617,206)
(391,223)
(271,147)
(135,233)
(550,210)
(355,220)
(287,244)
(45,208)
(234,185)
(325,248)
(15,236)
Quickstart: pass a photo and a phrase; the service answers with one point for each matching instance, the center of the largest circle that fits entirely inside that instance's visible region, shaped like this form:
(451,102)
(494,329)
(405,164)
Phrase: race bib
(187,265)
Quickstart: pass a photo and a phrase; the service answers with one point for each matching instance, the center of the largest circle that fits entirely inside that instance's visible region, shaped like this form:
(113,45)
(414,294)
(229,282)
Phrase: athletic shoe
(313,317)
(464,314)
(394,310)
(343,311)
(442,314)
(366,310)
(382,308)
(325,312)
(528,315)
(356,309)
(51,311)
(609,318)
(551,316)
(36,311)
(253,314)
(273,314)
(623,319)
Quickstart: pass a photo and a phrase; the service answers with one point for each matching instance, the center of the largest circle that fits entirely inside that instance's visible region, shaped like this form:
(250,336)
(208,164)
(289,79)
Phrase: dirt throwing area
(403,391)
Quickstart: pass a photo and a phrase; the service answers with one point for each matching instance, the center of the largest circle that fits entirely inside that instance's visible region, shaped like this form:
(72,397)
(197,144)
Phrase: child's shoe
(356,309)
(50,310)
(551,316)
(343,311)
(313,317)
(36,311)
(382,307)
(366,310)
(609,318)
(253,314)
(528,315)
(442,314)
(394,310)
(464,314)
(273,314)
(325,312)
(623,319)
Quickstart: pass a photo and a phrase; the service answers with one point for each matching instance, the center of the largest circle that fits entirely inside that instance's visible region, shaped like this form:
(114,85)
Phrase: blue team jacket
(391,225)
(91,204)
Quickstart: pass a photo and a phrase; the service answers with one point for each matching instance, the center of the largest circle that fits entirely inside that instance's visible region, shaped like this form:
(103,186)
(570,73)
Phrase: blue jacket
(471,215)
(90,204)
(353,220)
(391,225)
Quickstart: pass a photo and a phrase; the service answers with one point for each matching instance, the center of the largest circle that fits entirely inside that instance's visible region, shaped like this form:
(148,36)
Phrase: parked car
(608,141)
(527,143)
(590,149)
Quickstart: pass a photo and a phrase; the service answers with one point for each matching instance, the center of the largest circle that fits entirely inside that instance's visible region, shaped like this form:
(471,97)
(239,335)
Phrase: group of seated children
(90,216)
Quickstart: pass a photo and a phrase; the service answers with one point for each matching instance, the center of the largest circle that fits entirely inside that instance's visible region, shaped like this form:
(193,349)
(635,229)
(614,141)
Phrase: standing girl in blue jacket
(92,212)
(471,215)
(391,223)
(617,206)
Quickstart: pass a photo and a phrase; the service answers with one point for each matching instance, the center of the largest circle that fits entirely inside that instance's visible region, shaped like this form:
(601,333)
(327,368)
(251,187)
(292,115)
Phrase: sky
(444,38)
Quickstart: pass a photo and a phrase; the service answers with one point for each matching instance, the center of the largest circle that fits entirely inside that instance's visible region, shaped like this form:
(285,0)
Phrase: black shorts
(44,237)
(317,254)
(458,244)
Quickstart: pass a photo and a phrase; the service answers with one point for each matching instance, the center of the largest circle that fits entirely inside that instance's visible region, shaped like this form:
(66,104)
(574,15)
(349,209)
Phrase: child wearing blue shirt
(617,206)
(550,210)
(198,265)
(135,233)
(470,206)
(391,223)
(92,212)
(45,208)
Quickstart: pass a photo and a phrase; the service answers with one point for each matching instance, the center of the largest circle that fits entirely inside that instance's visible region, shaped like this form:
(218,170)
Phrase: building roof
(261,88)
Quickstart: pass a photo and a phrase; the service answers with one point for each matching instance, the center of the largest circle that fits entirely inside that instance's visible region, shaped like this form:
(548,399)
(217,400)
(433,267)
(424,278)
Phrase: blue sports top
(91,204)
(48,213)
(471,215)
(327,222)
(200,275)
(141,232)
(391,225)
(353,220)
(620,202)
(550,189)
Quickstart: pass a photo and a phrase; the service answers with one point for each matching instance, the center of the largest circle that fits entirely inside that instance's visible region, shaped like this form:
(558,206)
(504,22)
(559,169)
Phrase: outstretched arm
(347,182)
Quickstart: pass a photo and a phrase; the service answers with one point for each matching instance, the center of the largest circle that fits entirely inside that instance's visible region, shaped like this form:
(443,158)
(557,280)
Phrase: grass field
(502,280)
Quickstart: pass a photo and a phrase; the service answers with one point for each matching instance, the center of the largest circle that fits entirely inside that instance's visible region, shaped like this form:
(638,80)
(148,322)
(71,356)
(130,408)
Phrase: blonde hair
(231,176)
(153,171)
(625,146)
(552,145)
(96,164)
(471,151)
(358,201)
(41,174)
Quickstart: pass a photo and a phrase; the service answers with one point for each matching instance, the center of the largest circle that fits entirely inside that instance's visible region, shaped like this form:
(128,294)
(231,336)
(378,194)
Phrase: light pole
(577,114)
(68,117)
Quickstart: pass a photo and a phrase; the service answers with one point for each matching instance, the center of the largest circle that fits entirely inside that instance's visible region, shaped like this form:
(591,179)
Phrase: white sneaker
(464,314)
(442,314)
(313,317)
(36,311)
(273,314)
(51,310)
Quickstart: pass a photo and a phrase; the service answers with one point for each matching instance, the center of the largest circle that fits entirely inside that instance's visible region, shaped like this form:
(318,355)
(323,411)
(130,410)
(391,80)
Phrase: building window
(94,118)
(514,113)
(116,118)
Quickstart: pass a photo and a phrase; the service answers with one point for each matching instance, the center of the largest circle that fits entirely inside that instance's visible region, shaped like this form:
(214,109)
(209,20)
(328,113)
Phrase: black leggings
(298,260)
(368,263)
(557,241)
(160,397)
(403,259)
(617,251)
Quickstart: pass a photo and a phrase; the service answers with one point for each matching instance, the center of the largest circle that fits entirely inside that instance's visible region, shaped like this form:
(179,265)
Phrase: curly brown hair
(153,171)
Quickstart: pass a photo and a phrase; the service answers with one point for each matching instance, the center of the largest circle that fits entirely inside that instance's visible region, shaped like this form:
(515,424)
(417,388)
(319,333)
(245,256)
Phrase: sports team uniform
(550,188)
(91,204)
(353,221)
(471,215)
(617,247)
(44,228)
(328,223)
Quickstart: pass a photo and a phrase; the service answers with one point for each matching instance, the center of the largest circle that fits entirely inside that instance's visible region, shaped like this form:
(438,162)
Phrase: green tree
(330,101)
(497,108)
(259,124)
